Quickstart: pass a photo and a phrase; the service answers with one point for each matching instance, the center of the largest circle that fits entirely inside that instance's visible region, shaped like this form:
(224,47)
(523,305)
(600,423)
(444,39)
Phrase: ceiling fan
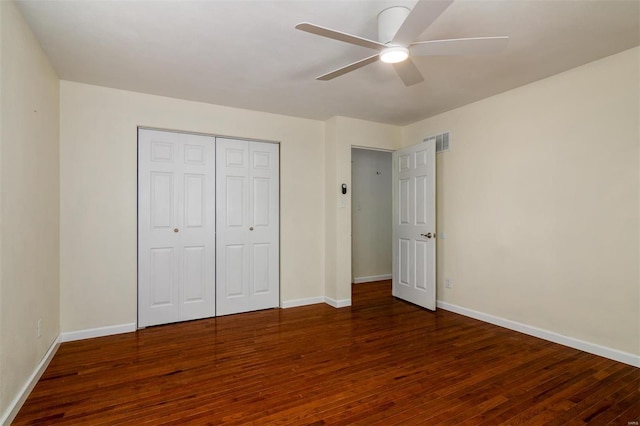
(398,28)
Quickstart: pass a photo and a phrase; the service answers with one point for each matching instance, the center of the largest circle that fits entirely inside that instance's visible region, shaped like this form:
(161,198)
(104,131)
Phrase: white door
(176,227)
(414,230)
(248,228)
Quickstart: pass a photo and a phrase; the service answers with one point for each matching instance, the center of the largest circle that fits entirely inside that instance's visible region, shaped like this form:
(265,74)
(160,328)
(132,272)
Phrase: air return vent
(442,142)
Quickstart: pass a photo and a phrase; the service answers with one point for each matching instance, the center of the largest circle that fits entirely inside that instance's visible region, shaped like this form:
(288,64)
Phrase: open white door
(414,224)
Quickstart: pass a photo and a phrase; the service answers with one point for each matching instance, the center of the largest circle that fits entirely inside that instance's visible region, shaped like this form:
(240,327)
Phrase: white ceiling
(247,54)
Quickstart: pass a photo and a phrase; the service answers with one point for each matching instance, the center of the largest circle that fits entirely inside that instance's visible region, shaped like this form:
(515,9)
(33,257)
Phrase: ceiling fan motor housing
(389,21)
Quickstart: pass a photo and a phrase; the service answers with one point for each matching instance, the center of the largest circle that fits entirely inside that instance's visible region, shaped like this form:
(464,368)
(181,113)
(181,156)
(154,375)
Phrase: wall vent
(442,142)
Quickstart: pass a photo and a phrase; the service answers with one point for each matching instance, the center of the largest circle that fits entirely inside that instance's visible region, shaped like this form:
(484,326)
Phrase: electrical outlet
(447,283)
(39,328)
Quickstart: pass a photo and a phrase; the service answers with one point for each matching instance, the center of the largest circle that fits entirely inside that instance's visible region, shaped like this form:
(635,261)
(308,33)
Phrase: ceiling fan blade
(337,35)
(459,46)
(422,15)
(351,67)
(408,72)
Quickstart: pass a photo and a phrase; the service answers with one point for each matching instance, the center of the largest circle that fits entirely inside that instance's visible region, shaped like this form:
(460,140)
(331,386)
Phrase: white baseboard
(372,278)
(70,336)
(14,407)
(551,336)
(314,300)
(341,303)
(302,302)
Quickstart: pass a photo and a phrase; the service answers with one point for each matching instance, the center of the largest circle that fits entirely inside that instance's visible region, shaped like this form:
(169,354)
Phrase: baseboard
(314,300)
(551,336)
(302,302)
(15,405)
(341,303)
(90,333)
(372,278)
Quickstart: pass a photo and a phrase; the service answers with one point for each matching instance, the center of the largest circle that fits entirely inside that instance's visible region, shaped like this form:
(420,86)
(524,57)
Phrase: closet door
(247,226)
(176,227)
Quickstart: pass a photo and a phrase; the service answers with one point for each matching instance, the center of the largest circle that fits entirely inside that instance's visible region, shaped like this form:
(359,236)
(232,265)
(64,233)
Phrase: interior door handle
(429,235)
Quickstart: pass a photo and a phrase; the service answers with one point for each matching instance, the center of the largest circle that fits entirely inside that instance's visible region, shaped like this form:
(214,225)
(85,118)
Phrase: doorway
(371,218)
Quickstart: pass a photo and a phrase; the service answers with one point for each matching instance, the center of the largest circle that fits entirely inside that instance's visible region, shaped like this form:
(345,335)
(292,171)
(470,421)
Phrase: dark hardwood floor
(382,361)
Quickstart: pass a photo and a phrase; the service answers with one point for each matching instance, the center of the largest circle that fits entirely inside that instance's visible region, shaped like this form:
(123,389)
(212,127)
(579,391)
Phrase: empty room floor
(380,361)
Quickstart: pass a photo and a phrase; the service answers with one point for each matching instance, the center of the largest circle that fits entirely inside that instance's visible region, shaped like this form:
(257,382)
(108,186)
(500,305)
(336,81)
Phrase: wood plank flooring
(379,362)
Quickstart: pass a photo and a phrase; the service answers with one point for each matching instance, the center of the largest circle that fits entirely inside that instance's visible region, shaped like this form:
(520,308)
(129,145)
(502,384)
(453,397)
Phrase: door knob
(429,235)
(251,228)
(175,229)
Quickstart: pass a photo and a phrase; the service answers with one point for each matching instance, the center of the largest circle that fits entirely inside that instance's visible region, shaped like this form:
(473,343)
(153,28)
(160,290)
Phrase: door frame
(215,136)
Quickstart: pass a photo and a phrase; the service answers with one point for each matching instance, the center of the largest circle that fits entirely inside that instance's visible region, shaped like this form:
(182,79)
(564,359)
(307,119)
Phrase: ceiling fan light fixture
(394,54)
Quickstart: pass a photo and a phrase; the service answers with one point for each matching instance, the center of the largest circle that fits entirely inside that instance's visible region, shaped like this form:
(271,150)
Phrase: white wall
(98,195)
(29,204)
(343,134)
(539,200)
(331,207)
(371,201)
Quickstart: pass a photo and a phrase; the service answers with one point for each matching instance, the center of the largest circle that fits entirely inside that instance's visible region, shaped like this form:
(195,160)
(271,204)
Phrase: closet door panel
(176,234)
(247,233)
